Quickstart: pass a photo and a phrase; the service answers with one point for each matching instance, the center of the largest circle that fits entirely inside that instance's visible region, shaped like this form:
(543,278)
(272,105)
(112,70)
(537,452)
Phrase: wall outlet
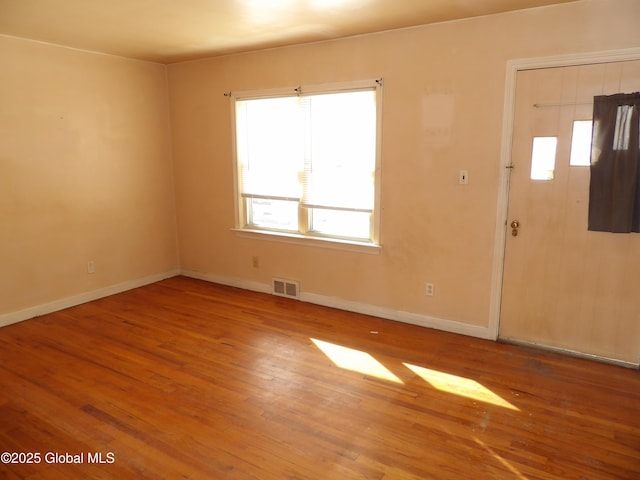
(255,261)
(91,266)
(430,290)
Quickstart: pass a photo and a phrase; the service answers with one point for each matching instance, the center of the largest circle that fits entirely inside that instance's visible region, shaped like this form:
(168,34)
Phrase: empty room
(320,239)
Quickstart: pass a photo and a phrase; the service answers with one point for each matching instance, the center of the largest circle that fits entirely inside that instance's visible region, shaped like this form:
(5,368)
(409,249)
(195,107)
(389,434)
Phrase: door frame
(508,116)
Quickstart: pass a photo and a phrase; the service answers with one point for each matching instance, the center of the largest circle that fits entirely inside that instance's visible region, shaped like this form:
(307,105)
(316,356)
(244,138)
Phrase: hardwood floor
(186,379)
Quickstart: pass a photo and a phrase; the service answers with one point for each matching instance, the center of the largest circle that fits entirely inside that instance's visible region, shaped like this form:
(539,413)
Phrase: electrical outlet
(255,261)
(91,267)
(430,290)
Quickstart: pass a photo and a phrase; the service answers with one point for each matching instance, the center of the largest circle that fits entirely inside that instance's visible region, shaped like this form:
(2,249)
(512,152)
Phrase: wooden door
(563,286)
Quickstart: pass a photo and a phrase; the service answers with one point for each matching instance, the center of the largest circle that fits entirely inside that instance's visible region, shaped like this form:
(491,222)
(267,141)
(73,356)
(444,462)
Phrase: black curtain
(614,191)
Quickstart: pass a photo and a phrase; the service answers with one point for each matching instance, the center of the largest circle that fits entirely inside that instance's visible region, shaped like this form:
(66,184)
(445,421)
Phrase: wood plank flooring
(186,379)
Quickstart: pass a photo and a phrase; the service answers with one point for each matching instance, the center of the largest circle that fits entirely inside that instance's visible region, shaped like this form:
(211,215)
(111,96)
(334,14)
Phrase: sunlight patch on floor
(355,360)
(459,386)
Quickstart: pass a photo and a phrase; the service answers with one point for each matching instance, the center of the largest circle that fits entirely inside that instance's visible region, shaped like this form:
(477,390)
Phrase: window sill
(333,243)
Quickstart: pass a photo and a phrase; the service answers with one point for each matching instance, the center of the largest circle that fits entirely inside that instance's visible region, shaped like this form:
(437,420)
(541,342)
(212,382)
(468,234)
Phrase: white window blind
(270,138)
(340,173)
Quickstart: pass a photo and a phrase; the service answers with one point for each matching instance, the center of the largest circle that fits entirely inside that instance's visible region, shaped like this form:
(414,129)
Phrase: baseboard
(333,302)
(229,281)
(56,305)
(356,307)
(572,353)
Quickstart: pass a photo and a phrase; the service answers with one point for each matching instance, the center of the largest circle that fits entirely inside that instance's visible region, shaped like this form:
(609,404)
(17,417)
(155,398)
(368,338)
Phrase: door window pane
(543,158)
(581,143)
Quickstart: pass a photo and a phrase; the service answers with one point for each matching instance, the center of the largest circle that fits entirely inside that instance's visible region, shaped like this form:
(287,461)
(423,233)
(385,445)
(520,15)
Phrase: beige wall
(443,101)
(85,173)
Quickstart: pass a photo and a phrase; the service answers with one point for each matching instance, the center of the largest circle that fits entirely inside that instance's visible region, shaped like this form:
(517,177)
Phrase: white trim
(291,91)
(512,68)
(572,353)
(377,205)
(308,240)
(228,281)
(357,307)
(574,59)
(61,304)
(418,319)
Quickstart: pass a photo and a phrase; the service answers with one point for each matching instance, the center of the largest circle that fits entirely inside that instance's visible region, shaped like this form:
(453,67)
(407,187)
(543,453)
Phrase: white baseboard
(333,302)
(61,304)
(421,320)
(571,353)
(357,307)
(229,281)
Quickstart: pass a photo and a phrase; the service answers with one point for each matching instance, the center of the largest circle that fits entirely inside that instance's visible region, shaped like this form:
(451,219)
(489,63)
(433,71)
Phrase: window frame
(303,233)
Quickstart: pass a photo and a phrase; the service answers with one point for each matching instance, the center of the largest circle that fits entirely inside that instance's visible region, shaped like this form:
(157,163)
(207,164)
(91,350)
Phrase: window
(307,161)
(581,144)
(543,158)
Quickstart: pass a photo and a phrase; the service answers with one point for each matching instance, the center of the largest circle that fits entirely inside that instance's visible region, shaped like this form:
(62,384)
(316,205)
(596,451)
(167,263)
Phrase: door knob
(514,228)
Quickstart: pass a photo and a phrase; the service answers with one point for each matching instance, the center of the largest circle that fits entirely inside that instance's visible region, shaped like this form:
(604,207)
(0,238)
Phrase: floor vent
(286,288)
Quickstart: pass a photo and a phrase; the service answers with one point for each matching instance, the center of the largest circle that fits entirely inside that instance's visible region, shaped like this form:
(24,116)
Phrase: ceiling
(168,31)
